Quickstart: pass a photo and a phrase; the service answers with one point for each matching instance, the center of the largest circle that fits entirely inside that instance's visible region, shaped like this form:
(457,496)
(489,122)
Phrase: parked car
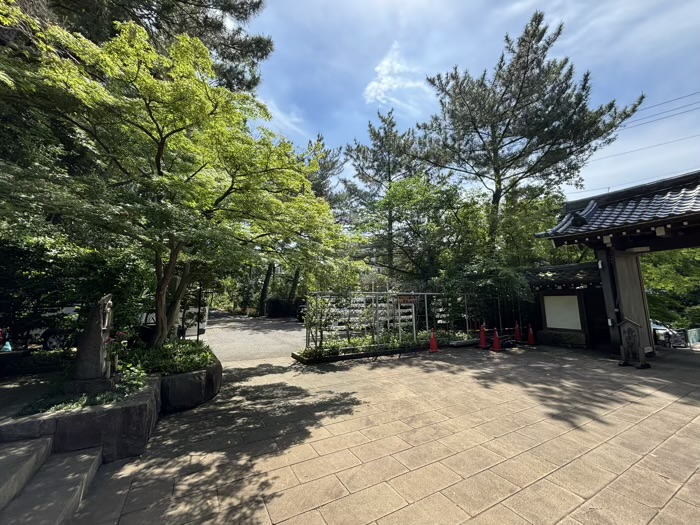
(301,312)
(666,336)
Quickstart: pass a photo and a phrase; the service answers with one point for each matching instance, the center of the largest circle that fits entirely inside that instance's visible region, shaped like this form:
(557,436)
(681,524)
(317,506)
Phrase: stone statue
(91,367)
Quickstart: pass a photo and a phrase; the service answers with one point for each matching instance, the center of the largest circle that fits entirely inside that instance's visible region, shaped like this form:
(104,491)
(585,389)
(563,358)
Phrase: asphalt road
(240,338)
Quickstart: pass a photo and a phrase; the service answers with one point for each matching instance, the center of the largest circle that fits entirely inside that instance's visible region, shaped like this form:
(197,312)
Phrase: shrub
(176,357)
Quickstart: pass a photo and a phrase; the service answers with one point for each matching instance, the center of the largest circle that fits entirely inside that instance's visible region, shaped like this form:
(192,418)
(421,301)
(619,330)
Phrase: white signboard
(561,311)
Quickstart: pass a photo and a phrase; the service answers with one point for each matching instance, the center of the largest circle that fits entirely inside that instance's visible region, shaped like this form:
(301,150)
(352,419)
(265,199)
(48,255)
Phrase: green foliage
(672,281)
(133,380)
(176,357)
(174,167)
(40,361)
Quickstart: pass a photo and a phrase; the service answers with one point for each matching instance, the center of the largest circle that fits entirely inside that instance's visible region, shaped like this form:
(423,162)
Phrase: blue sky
(336,63)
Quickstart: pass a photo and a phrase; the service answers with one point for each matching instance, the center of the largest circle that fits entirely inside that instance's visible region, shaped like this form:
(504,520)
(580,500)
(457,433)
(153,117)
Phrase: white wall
(561,311)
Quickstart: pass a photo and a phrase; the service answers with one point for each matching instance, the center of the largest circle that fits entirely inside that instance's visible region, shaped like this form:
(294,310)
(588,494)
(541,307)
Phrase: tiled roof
(667,199)
(565,275)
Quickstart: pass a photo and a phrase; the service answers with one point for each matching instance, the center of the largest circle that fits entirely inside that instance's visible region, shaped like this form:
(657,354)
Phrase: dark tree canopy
(528,123)
(220,24)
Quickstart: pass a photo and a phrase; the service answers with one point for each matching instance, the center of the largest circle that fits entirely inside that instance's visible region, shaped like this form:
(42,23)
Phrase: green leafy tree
(219,24)
(379,166)
(180,172)
(526,124)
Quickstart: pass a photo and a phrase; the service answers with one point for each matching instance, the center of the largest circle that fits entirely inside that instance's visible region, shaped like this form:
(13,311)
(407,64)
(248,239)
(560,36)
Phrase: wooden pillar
(632,298)
(607,278)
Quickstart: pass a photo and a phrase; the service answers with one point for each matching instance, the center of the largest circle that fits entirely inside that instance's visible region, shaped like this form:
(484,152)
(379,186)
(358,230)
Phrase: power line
(647,147)
(655,177)
(623,128)
(669,101)
(663,112)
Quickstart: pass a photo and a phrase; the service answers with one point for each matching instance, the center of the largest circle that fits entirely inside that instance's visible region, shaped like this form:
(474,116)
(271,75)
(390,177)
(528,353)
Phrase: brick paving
(538,436)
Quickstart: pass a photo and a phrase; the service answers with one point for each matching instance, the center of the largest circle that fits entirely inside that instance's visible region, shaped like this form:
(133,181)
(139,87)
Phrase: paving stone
(416,457)
(435,510)
(325,465)
(511,444)
(611,457)
(465,439)
(639,441)
(248,490)
(677,458)
(582,478)
(542,431)
(221,474)
(471,461)
(253,513)
(610,508)
(677,512)
(334,444)
(425,434)
(196,505)
(146,494)
(645,486)
(463,422)
(310,435)
(425,419)
(424,481)
(524,469)
(498,515)
(543,502)
(362,507)
(352,425)
(284,458)
(479,492)
(690,492)
(498,427)
(313,517)
(302,498)
(385,430)
(106,496)
(368,474)
(559,451)
(263,433)
(380,448)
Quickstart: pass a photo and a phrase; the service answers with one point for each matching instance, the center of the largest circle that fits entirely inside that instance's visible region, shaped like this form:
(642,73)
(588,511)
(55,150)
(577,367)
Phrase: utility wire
(623,128)
(647,147)
(663,112)
(669,101)
(656,177)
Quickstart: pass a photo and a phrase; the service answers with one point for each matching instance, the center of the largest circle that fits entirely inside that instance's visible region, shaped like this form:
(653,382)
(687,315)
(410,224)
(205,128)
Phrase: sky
(338,62)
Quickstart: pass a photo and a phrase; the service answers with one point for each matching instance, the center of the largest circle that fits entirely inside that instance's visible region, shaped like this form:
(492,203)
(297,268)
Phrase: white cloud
(286,122)
(394,74)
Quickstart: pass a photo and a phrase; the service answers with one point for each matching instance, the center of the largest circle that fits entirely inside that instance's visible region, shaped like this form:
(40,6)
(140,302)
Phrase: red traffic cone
(433,342)
(482,338)
(518,335)
(496,342)
(530,335)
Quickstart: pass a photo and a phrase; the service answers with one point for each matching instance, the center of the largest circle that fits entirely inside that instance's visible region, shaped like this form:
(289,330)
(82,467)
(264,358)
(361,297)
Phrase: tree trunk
(494,218)
(164,274)
(295,283)
(265,288)
(390,244)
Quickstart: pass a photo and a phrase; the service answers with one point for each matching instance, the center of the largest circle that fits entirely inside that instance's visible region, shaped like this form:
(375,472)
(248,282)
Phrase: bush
(133,379)
(176,357)
(39,361)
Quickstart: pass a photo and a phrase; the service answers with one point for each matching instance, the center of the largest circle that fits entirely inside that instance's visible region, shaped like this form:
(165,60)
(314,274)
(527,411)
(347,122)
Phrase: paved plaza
(537,436)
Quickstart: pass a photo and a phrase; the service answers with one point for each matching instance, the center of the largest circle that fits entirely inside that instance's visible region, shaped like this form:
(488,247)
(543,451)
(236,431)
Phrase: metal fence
(408,317)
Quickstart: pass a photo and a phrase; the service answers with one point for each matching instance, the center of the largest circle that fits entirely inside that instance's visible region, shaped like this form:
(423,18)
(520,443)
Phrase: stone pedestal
(91,367)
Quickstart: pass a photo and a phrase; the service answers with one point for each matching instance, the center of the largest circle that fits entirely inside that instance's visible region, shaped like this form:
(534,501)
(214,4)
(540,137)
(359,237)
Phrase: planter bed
(191,389)
(356,355)
(122,429)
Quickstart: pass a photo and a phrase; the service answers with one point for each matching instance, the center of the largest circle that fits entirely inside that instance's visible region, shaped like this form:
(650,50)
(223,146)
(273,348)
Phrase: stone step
(19,460)
(52,496)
